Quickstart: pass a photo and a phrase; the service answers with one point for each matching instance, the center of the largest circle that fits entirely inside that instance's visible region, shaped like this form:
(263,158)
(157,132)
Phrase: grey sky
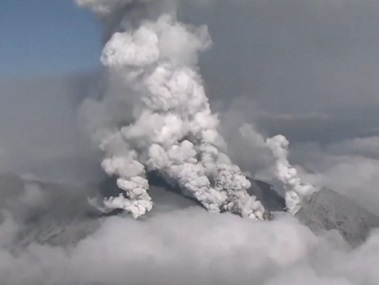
(309,60)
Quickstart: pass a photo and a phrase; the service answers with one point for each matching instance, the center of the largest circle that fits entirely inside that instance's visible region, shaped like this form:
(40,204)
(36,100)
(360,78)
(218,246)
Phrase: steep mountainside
(60,214)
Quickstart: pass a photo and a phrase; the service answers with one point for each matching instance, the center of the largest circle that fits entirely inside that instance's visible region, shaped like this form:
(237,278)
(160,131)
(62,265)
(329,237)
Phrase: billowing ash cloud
(156,115)
(296,190)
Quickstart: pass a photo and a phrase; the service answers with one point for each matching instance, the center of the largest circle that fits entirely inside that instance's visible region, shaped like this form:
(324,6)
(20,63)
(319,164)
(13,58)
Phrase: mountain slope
(60,214)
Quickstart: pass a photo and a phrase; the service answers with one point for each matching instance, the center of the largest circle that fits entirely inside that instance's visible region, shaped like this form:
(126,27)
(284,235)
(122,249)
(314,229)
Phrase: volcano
(61,215)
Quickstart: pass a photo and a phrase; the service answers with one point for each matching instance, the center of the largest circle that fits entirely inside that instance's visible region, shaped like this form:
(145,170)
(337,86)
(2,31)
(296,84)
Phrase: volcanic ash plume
(296,190)
(167,125)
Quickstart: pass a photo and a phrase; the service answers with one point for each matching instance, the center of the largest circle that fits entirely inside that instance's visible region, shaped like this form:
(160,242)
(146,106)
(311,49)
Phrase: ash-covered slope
(329,210)
(61,215)
(44,212)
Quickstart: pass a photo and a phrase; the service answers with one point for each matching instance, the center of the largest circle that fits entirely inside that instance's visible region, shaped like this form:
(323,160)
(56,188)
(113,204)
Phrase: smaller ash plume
(296,190)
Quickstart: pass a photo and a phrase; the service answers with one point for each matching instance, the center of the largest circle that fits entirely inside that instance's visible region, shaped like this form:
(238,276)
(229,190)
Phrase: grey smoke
(297,192)
(170,127)
(39,132)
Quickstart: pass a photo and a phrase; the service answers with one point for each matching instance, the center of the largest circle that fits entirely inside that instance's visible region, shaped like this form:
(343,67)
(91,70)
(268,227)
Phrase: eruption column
(170,129)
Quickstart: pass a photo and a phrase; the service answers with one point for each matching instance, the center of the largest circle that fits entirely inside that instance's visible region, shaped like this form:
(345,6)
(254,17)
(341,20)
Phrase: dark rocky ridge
(269,197)
(264,192)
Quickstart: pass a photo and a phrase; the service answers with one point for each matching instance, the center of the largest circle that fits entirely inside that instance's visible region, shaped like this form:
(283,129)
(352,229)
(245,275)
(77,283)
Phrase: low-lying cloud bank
(190,246)
(177,243)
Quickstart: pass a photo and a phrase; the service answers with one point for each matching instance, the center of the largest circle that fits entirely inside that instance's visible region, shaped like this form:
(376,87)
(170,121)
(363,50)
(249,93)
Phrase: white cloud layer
(190,246)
